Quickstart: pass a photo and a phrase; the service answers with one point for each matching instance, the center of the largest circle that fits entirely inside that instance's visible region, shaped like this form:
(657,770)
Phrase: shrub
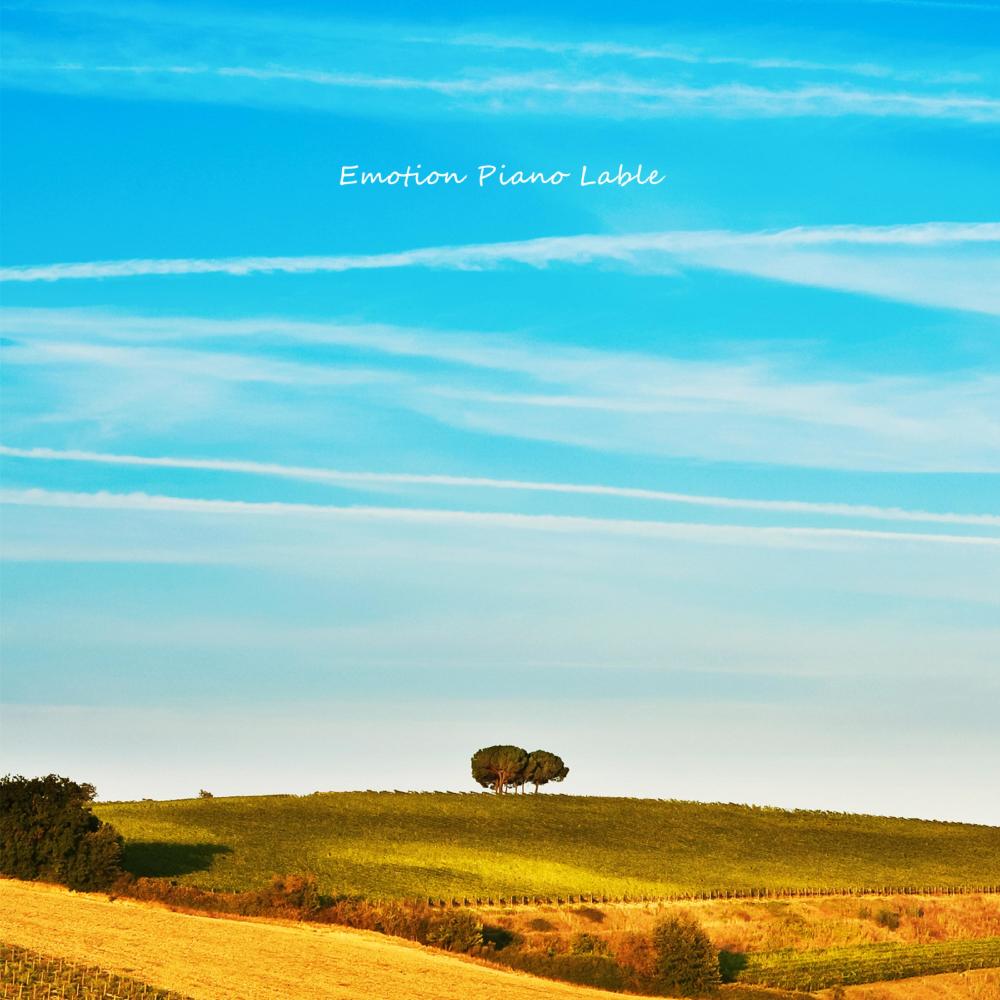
(585,970)
(203,794)
(591,913)
(48,831)
(587,944)
(295,892)
(887,918)
(459,932)
(498,938)
(393,917)
(635,955)
(686,963)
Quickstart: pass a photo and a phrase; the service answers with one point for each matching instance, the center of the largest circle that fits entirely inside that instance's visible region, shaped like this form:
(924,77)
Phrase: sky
(696,483)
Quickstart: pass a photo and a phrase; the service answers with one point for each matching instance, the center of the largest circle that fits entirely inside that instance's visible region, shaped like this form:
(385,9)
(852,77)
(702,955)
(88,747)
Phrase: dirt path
(213,959)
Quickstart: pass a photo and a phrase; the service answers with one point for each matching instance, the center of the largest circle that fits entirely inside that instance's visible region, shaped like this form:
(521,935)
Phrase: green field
(439,844)
(814,970)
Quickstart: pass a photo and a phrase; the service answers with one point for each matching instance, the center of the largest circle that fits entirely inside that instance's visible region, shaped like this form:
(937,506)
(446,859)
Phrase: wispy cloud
(887,261)
(547,92)
(152,52)
(341,477)
(553,523)
(227,367)
(686,56)
(760,408)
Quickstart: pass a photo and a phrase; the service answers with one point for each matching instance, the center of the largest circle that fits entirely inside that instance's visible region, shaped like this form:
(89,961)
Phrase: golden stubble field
(213,959)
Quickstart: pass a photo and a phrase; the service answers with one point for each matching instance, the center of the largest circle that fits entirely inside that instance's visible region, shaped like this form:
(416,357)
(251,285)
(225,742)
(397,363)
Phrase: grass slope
(438,844)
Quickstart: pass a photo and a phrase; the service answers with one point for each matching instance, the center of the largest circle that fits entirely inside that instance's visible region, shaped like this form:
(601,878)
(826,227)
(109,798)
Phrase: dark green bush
(459,932)
(686,962)
(47,831)
(888,919)
(498,938)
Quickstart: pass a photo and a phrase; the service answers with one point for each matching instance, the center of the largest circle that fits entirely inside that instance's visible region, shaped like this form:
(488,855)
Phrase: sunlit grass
(436,844)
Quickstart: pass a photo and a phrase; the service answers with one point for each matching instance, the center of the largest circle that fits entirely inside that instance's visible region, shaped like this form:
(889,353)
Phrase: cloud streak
(614,400)
(340,477)
(549,523)
(886,261)
(644,98)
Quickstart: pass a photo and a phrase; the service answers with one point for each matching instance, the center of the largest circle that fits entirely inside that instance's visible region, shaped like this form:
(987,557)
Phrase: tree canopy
(543,767)
(495,767)
(48,831)
(506,767)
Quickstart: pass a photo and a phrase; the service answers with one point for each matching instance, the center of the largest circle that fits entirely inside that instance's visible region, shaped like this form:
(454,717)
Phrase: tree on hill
(47,831)
(498,766)
(543,767)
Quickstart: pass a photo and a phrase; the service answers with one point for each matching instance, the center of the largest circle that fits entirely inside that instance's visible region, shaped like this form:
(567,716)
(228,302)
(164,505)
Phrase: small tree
(543,767)
(498,766)
(686,962)
(47,831)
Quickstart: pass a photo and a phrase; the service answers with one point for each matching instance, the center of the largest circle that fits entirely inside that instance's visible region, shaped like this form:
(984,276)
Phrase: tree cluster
(504,768)
(47,831)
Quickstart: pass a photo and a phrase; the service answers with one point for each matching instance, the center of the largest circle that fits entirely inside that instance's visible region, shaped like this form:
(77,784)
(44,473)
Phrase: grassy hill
(439,844)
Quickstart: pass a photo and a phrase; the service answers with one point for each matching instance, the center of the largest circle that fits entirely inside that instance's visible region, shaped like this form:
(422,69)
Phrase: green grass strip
(814,970)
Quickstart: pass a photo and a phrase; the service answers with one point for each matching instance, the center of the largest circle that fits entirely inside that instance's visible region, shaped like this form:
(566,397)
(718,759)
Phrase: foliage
(813,970)
(687,964)
(888,919)
(586,970)
(587,944)
(294,892)
(456,932)
(497,767)
(543,767)
(449,845)
(48,831)
(35,975)
(205,794)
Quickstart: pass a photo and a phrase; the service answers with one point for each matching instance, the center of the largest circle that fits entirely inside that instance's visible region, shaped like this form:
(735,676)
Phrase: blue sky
(297,474)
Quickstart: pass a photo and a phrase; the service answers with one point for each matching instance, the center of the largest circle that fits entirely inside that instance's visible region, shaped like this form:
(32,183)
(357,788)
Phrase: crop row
(754,893)
(28,975)
(814,970)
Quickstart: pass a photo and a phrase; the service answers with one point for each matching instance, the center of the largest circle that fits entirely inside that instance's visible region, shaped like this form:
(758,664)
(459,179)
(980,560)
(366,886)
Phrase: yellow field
(983,984)
(211,959)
